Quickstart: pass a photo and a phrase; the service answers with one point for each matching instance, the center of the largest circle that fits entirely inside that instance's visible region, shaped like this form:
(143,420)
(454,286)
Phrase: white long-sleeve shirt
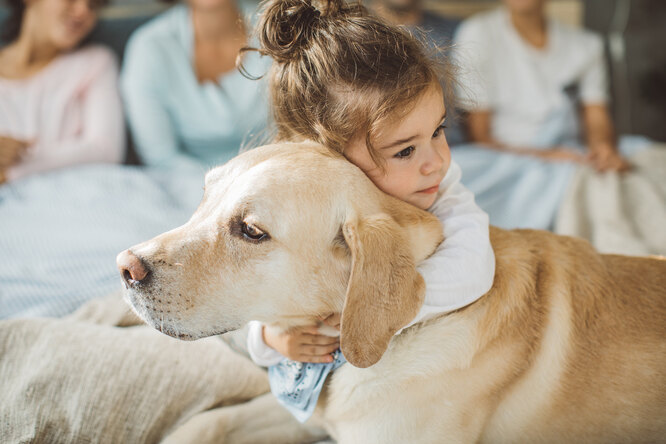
(70,112)
(459,272)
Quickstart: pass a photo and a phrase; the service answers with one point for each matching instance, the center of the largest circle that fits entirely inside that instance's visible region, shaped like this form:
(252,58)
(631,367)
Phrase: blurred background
(111,112)
(634,33)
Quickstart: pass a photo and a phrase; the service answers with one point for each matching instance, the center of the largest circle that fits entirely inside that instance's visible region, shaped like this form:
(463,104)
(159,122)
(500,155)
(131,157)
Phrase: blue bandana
(297,385)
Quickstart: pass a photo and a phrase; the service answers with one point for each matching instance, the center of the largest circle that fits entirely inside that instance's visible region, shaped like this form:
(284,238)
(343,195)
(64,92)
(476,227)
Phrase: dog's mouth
(168,321)
(169,331)
(175,333)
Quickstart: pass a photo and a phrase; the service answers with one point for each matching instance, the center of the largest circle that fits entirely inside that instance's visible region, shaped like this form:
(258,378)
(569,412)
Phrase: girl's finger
(317,359)
(310,330)
(319,340)
(318,350)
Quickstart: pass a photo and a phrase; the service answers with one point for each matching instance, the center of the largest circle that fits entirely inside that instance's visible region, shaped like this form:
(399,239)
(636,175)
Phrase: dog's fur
(568,345)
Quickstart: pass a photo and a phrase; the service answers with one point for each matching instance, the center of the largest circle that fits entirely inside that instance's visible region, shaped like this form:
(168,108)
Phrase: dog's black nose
(131,268)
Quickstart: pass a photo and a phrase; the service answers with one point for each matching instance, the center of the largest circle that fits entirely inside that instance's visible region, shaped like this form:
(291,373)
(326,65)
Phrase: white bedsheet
(60,232)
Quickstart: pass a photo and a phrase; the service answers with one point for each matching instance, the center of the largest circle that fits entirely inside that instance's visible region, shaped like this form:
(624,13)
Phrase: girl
(367,89)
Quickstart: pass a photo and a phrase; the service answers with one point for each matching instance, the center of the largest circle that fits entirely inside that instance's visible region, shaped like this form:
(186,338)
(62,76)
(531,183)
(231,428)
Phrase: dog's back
(594,330)
(568,346)
(617,366)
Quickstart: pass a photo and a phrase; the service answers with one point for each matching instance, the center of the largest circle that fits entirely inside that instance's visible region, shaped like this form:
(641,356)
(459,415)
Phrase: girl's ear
(385,292)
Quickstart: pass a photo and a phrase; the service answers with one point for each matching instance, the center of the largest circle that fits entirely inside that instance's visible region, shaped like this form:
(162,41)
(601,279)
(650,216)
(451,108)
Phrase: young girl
(368,90)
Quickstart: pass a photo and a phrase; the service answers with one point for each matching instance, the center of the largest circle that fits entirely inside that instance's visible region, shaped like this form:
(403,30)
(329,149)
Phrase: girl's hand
(303,344)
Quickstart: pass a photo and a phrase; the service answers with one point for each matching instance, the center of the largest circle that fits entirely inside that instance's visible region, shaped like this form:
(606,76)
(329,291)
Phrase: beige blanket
(619,213)
(98,377)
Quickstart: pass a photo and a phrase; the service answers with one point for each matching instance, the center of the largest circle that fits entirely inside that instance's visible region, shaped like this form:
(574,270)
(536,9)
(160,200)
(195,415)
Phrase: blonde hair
(340,72)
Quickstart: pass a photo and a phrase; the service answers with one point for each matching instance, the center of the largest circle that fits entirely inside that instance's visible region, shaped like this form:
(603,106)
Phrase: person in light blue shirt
(187,105)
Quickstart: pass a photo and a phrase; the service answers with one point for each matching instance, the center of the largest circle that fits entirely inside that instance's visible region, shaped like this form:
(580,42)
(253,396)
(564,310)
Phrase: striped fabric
(60,232)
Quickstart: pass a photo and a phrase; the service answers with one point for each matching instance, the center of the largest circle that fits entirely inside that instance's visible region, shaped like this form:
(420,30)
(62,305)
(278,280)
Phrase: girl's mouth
(430,190)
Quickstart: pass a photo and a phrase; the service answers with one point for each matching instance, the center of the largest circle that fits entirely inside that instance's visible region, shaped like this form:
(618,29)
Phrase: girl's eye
(440,130)
(405,153)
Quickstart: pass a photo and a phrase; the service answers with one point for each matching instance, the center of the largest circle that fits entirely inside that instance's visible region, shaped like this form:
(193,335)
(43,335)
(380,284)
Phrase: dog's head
(285,234)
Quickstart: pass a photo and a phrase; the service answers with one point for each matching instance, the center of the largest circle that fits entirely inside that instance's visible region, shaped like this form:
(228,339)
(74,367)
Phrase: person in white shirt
(522,79)
(380,102)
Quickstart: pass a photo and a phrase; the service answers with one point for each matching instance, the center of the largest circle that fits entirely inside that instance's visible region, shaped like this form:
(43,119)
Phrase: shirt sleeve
(473,71)
(145,94)
(102,136)
(594,81)
(260,353)
(462,269)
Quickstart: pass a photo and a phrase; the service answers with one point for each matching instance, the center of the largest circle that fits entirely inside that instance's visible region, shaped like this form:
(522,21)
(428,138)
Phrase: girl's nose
(434,161)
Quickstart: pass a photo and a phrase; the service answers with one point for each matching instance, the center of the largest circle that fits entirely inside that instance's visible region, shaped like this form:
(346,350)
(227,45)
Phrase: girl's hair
(340,72)
(11,28)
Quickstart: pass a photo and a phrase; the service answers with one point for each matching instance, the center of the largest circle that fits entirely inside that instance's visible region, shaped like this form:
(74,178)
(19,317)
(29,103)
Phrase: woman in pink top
(59,105)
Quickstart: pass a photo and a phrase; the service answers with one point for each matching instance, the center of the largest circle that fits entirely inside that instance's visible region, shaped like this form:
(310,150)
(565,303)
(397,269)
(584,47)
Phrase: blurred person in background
(412,14)
(187,105)
(544,153)
(59,103)
(536,87)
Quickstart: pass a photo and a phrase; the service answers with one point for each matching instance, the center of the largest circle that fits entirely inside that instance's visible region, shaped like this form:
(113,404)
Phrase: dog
(569,345)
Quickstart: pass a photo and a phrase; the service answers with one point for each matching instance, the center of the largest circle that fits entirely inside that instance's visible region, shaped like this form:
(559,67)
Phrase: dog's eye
(252,233)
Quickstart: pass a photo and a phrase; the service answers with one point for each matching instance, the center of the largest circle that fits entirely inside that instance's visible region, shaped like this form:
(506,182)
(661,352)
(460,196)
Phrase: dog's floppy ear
(385,292)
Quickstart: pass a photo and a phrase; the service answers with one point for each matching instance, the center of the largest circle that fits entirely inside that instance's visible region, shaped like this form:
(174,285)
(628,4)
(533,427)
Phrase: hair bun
(286,26)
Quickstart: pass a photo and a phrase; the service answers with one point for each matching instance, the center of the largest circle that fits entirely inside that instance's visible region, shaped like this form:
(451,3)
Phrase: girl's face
(415,153)
(62,23)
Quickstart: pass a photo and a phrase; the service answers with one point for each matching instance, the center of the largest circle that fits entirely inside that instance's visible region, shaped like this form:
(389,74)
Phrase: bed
(77,366)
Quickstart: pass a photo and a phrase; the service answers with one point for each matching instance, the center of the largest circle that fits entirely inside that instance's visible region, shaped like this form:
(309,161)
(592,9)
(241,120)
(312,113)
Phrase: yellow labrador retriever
(568,346)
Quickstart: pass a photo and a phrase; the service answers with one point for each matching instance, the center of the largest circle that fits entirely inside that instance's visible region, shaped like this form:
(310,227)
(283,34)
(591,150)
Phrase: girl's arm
(268,347)
(462,269)
(260,353)
(102,137)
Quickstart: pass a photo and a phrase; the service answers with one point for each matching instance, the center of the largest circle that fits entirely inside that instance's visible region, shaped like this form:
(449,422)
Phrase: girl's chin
(424,202)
